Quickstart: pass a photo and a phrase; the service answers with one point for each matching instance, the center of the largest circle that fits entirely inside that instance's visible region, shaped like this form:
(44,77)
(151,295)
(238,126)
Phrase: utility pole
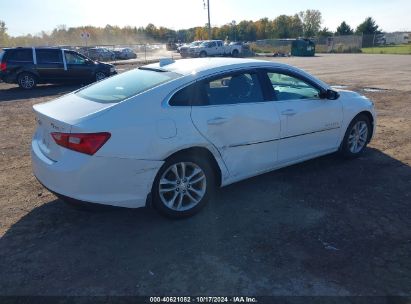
(209,24)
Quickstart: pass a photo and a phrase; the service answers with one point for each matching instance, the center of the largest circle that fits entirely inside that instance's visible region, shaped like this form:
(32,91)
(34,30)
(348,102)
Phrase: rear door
(235,117)
(212,48)
(220,48)
(50,65)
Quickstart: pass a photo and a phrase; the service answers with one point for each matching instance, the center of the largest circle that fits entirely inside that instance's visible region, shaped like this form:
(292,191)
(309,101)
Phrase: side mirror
(330,95)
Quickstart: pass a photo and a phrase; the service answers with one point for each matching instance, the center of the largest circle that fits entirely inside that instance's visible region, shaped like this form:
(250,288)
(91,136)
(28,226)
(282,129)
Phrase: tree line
(305,24)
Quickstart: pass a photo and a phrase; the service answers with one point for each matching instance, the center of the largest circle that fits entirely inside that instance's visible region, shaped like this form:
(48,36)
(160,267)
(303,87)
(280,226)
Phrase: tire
(27,81)
(356,137)
(100,75)
(174,196)
(203,54)
(235,53)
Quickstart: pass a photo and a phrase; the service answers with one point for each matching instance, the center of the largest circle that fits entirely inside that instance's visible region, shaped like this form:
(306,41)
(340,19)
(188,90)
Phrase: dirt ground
(324,227)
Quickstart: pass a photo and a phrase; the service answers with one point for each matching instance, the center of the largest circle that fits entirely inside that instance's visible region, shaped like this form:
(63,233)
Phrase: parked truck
(215,48)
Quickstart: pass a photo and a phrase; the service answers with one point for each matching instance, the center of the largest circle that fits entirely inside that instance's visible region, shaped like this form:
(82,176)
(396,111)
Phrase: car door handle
(289,112)
(217,121)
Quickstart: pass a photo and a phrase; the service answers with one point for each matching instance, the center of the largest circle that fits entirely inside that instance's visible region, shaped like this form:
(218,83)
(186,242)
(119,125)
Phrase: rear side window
(24,55)
(234,89)
(49,56)
(125,85)
(191,95)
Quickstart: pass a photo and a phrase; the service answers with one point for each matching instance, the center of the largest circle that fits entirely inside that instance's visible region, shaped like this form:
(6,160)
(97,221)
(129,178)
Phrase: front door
(310,125)
(238,121)
(78,67)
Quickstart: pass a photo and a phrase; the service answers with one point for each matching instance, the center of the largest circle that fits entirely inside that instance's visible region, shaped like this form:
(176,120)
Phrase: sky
(33,16)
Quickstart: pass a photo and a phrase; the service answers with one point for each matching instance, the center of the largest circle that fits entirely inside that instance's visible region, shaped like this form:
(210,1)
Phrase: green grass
(404,49)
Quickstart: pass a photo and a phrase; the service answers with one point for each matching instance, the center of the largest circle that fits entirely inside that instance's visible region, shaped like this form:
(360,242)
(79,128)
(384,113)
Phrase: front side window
(289,88)
(233,89)
(125,85)
(73,58)
(49,56)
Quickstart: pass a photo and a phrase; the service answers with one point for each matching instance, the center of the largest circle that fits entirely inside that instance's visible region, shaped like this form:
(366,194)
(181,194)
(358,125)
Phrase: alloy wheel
(182,186)
(27,81)
(358,136)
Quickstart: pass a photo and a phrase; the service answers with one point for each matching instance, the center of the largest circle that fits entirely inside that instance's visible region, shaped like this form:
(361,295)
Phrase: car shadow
(324,227)
(14,93)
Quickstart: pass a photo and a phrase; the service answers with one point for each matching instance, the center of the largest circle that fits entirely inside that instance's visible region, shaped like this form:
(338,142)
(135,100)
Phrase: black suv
(29,66)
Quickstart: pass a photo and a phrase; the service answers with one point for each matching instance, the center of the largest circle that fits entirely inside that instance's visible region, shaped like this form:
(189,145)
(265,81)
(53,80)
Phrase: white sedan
(170,132)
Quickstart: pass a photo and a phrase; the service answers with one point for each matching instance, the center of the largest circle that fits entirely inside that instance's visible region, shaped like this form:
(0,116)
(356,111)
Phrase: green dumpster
(303,47)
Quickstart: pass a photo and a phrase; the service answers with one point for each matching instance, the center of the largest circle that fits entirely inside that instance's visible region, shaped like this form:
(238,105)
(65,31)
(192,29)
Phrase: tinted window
(49,56)
(191,95)
(211,44)
(235,88)
(287,87)
(125,85)
(24,55)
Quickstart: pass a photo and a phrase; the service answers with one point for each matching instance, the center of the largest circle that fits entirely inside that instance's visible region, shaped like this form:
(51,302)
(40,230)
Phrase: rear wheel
(27,81)
(183,186)
(235,53)
(356,137)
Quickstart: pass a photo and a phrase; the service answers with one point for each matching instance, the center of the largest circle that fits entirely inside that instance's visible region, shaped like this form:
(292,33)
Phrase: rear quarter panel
(145,127)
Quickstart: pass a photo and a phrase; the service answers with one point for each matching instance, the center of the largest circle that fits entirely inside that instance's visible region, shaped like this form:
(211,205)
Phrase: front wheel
(203,54)
(100,76)
(235,53)
(356,137)
(183,186)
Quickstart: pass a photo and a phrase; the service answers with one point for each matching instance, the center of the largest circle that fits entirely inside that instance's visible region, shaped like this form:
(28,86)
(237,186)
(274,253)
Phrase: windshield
(125,85)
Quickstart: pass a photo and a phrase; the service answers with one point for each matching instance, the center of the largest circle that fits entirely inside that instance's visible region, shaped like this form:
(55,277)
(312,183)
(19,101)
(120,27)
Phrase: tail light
(3,66)
(88,143)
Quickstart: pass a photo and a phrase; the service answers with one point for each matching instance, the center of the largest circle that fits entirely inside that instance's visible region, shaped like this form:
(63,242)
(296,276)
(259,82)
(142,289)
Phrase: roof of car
(208,66)
(201,65)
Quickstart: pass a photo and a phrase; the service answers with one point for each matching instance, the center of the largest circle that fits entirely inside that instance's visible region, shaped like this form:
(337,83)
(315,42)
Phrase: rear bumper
(8,78)
(93,179)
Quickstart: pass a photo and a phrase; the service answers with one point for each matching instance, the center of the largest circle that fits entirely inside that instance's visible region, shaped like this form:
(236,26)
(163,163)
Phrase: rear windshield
(125,85)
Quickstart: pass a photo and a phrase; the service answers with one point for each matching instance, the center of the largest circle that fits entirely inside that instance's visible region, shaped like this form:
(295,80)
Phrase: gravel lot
(323,227)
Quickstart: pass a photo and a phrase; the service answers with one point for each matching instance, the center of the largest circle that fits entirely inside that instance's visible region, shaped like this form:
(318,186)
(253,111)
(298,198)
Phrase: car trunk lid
(59,116)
